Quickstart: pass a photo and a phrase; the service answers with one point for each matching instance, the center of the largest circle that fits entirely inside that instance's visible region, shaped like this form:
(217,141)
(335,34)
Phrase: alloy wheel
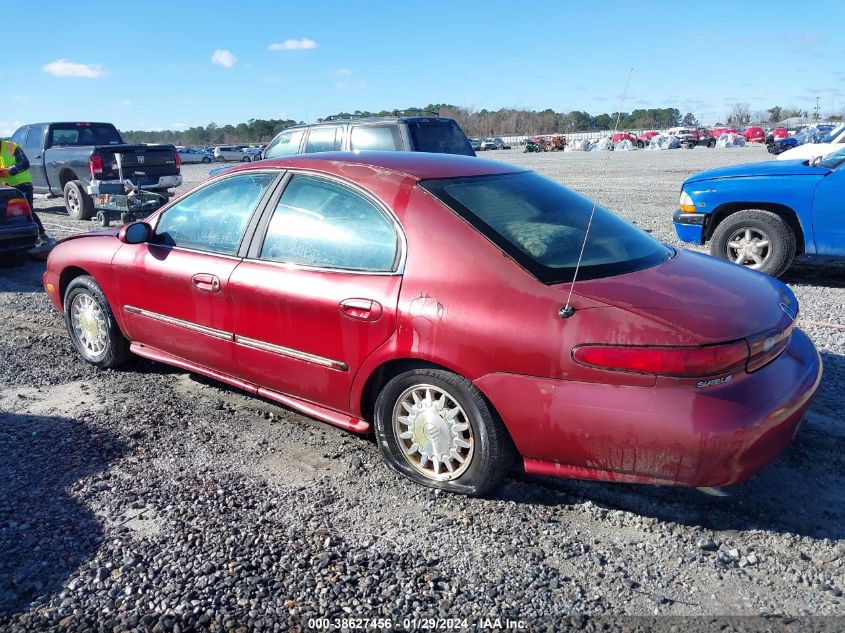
(89,324)
(750,247)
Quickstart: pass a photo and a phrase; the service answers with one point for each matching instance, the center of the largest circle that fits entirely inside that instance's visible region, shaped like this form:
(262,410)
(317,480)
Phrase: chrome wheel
(750,247)
(433,431)
(89,324)
(73,201)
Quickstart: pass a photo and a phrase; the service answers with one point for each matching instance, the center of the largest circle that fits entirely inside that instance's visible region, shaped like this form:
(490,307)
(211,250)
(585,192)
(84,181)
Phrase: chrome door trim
(201,329)
(290,353)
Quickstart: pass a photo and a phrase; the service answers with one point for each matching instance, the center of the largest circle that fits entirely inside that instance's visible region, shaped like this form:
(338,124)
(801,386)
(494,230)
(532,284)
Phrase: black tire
(760,225)
(206,159)
(78,203)
(115,348)
(486,463)
(125,218)
(711,143)
(220,159)
(640,144)
(245,159)
(102,219)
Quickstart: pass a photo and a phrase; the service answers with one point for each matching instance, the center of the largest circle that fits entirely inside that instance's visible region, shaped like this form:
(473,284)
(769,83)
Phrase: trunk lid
(707,299)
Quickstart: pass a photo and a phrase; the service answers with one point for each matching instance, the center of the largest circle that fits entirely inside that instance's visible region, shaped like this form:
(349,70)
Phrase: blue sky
(150,64)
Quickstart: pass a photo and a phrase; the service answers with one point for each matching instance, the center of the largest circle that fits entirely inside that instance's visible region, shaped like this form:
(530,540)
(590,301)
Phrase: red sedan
(423,296)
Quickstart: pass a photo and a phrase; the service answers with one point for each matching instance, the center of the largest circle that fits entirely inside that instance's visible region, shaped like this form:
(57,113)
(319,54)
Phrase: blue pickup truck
(761,215)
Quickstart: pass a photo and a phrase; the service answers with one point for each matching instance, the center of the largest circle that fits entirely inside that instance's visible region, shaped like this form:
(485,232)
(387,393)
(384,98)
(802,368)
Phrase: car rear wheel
(760,240)
(91,324)
(245,159)
(436,428)
(78,203)
(640,144)
(206,159)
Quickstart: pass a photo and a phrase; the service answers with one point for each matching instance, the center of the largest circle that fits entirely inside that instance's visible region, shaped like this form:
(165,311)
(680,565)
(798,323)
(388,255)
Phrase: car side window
(213,218)
(286,144)
(323,139)
(375,137)
(324,224)
(19,136)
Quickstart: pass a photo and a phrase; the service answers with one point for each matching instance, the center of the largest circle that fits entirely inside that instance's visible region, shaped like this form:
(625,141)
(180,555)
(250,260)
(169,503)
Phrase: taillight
(664,361)
(17,207)
(95,164)
(178,160)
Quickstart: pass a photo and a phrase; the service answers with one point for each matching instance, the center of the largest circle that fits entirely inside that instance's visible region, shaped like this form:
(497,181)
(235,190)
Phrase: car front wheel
(760,240)
(91,324)
(436,428)
(206,159)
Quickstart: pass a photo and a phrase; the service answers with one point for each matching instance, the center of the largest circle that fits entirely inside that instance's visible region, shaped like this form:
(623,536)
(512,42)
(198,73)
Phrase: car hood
(707,299)
(807,151)
(113,231)
(768,168)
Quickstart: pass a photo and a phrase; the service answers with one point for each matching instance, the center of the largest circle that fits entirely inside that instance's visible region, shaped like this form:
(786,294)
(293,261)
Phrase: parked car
(331,297)
(189,155)
(231,152)
(18,231)
(705,138)
(687,137)
(475,144)
(76,160)
(623,136)
(253,152)
(645,138)
(493,143)
(811,151)
(718,131)
(754,134)
(762,215)
(403,133)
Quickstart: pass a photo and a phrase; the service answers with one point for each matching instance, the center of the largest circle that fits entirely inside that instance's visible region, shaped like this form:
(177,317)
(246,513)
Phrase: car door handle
(361,309)
(205,282)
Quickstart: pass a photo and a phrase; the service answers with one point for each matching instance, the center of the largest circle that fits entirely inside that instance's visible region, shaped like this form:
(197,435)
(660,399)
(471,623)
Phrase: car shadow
(802,492)
(22,276)
(46,533)
(806,272)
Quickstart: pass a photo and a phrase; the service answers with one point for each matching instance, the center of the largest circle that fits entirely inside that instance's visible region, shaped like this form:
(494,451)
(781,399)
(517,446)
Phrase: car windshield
(439,137)
(829,138)
(541,225)
(834,159)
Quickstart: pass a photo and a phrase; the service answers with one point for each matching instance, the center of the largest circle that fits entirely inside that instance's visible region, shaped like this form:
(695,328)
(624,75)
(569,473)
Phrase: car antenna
(567,310)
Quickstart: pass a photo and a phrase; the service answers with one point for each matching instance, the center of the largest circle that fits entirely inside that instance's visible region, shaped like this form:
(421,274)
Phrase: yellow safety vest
(7,160)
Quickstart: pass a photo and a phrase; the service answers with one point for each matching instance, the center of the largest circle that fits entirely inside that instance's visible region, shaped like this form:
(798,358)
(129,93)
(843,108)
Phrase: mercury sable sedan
(425,297)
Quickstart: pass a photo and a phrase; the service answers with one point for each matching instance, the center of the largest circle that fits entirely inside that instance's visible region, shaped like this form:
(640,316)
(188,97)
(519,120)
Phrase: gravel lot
(153,499)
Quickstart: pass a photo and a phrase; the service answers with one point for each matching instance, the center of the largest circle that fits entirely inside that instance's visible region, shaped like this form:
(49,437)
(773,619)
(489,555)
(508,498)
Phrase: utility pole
(816,115)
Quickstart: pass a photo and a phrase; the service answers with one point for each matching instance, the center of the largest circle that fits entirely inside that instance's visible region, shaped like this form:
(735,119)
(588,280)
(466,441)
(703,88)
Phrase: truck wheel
(640,144)
(78,203)
(760,240)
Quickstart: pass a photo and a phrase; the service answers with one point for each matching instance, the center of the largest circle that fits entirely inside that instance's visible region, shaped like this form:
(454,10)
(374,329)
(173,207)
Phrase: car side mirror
(816,161)
(135,233)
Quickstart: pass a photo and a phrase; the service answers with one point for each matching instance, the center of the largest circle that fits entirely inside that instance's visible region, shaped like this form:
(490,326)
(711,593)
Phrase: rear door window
(384,138)
(324,224)
(324,139)
(440,137)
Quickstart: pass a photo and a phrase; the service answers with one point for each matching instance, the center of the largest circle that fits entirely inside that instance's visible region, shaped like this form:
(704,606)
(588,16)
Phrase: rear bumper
(18,238)
(690,226)
(162,182)
(666,434)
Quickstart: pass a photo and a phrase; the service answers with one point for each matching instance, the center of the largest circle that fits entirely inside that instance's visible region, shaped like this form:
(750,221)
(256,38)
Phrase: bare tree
(739,114)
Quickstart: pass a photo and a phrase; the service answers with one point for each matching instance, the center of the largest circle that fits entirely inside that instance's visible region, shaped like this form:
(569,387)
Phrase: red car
(780,132)
(754,134)
(644,138)
(623,136)
(424,297)
(718,131)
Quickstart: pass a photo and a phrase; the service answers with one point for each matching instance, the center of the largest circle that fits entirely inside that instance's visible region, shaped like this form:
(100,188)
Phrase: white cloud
(64,68)
(347,80)
(224,58)
(178,125)
(303,44)
(343,72)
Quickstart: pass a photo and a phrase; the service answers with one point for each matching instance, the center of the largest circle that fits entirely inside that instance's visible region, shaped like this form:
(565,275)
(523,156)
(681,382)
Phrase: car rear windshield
(84,134)
(439,137)
(541,225)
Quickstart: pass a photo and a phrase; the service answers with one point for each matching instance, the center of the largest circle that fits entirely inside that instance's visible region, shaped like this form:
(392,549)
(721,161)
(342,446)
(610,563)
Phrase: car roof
(373,119)
(418,165)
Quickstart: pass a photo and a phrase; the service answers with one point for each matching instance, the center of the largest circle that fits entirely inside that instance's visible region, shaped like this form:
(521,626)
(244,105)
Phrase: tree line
(476,123)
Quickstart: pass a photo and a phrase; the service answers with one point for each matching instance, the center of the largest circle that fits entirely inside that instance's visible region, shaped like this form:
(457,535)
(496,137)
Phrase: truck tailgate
(139,161)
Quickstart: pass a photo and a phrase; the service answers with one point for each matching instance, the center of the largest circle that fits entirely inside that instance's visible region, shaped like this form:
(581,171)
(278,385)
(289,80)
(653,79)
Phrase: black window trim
(253,252)
(249,229)
(546,274)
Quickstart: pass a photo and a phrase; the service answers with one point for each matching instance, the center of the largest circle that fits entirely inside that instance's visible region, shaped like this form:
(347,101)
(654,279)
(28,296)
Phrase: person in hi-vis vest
(14,172)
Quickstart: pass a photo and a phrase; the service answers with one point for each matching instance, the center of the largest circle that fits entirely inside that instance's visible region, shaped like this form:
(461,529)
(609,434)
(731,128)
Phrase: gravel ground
(152,499)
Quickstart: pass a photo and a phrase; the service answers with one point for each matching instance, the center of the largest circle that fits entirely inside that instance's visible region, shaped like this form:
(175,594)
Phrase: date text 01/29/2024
(418,624)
